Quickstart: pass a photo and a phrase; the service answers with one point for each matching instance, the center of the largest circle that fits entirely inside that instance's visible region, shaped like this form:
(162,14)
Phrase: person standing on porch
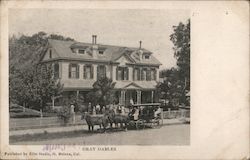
(72,112)
(131,101)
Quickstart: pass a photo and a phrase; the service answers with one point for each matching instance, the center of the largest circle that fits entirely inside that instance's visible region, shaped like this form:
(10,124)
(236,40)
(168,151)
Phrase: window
(81,51)
(101,52)
(136,74)
(88,71)
(50,53)
(122,73)
(153,74)
(73,71)
(56,70)
(143,74)
(148,75)
(101,71)
(146,56)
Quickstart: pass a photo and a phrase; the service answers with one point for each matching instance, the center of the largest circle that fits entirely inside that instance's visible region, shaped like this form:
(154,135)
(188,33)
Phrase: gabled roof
(111,53)
(136,84)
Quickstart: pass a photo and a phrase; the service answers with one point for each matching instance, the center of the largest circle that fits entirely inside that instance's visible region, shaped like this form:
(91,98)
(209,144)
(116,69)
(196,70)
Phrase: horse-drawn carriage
(149,115)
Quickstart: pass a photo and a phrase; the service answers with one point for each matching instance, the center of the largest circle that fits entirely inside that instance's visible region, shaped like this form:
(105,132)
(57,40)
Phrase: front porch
(136,96)
(123,96)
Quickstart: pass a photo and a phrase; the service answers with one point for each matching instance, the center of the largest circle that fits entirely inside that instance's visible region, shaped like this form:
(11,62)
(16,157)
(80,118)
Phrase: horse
(118,118)
(101,120)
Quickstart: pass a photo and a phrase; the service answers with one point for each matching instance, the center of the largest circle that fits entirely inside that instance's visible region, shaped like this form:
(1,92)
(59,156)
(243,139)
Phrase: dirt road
(166,135)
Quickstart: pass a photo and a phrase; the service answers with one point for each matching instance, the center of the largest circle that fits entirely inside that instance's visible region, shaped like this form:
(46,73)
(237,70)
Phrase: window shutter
(91,71)
(77,71)
(154,74)
(98,70)
(69,70)
(148,75)
(142,77)
(127,73)
(123,72)
(139,74)
(116,73)
(133,74)
(84,72)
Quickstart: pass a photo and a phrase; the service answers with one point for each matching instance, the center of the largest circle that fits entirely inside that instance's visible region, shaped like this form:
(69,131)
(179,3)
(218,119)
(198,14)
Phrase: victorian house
(78,65)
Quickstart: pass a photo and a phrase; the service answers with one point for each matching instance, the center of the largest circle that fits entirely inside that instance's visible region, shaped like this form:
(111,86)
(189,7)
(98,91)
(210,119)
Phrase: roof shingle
(111,53)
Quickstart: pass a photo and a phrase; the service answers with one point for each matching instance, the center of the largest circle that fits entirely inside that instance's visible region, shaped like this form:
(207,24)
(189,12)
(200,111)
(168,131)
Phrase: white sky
(114,27)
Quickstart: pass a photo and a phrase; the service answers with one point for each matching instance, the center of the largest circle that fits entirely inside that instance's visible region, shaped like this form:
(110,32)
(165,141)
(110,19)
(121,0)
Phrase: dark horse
(118,118)
(92,120)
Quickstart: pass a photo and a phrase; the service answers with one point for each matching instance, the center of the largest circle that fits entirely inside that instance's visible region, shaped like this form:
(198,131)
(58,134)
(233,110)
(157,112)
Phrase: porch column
(152,96)
(77,94)
(138,97)
(122,98)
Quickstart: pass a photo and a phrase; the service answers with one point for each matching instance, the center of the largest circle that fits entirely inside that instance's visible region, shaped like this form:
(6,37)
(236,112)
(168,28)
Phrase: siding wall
(110,72)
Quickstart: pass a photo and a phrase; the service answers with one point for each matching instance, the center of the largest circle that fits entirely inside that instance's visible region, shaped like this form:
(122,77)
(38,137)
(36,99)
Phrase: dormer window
(101,52)
(81,51)
(146,56)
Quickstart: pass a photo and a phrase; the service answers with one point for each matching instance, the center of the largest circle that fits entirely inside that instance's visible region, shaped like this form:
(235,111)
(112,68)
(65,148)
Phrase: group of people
(134,112)
(97,109)
(140,112)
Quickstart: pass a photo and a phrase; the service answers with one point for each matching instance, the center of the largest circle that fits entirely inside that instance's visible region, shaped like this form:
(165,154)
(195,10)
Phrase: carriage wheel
(158,124)
(139,124)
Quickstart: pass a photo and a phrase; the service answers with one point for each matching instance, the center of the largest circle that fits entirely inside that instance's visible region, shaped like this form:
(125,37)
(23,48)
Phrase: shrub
(16,110)
(64,114)
(23,115)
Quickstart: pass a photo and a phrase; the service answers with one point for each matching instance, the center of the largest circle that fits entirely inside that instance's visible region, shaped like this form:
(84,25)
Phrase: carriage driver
(135,113)
(157,112)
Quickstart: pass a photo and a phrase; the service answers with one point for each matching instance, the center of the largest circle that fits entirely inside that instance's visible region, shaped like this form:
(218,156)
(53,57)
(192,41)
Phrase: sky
(123,27)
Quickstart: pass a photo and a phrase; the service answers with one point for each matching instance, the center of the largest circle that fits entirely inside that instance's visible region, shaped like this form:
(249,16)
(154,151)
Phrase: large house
(78,65)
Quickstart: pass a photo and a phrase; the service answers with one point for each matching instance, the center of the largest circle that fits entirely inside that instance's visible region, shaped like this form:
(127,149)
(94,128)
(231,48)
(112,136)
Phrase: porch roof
(135,85)
(88,84)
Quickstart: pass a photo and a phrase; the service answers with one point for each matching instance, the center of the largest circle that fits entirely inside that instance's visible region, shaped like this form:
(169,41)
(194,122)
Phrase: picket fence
(25,123)
(28,123)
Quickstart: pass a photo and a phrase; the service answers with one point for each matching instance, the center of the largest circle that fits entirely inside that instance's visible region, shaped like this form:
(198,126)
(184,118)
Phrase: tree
(28,86)
(177,80)
(25,51)
(171,88)
(45,86)
(181,41)
(34,87)
(102,92)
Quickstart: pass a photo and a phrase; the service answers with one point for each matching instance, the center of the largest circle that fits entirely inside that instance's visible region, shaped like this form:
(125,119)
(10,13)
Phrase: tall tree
(181,41)
(177,80)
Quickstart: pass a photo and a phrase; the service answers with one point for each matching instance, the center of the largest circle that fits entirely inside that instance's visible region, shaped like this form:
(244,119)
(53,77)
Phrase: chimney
(140,51)
(94,47)
(93,39)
